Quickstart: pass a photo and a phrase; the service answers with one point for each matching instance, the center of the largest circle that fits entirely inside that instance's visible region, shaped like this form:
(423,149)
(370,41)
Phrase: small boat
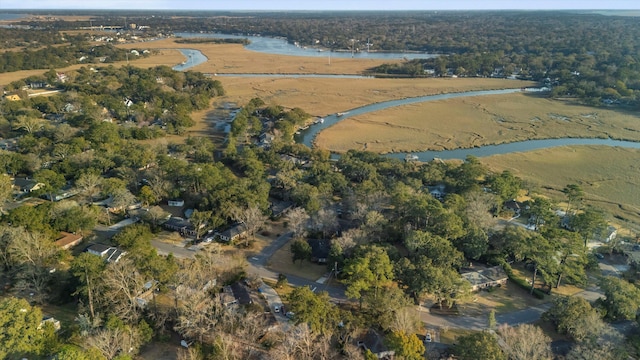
(411,157)
(320,121)
(341,113)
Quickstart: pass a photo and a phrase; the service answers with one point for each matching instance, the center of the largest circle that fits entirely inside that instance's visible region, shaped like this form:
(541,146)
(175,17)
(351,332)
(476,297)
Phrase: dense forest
(588,56)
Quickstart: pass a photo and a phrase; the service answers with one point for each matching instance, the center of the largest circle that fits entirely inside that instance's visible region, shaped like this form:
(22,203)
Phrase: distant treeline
(589,56)
(61,56)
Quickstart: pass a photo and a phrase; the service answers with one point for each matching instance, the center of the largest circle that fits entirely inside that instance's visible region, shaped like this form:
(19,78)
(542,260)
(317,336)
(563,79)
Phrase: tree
(300,250)
(491,320)
(525,342)
(34,256)
(478,345)
(478,206)
(574,194)
(313,309)
(28,123)
(6,190)
(88,184)
(123,283)
(200,221)
(20,335)
(588,224)
(52,181)
(369,270)
(297,219)
(575,317)
(406,346)
(88,268)
(155,215)
(506,186)
(251,216)
(540,213)
(622,299)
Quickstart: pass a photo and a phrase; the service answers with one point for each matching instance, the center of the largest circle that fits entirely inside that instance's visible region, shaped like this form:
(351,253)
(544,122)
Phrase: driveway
(273,300)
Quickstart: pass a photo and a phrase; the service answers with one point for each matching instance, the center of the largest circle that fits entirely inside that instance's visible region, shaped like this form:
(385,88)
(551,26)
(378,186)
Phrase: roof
(178,222)
(233,231)
(98,248)
(489,275)
(68,239)
(241,293)
(24,183)
(319,248)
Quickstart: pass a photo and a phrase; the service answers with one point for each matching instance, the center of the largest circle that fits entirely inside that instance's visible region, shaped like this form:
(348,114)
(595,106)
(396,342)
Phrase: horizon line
(320,10)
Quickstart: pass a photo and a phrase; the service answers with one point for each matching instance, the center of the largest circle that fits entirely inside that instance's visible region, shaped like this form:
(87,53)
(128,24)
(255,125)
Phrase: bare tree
(123,283)
(112,342)
(198,315)
(478,210)
(525,342)
(189,354)
(88,184)
(28,123)
(405,319)
(326,221)
(155,215)
(298,219)
(34,257)
(299,343)
(251,217)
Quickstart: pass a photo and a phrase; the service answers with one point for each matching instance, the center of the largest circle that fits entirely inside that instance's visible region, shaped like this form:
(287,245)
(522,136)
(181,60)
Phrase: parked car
(599,256)
(427,338)
(276,309)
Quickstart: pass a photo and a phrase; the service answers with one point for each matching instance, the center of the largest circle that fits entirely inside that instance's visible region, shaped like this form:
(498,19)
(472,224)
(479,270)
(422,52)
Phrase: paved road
(525,316)
(257,266)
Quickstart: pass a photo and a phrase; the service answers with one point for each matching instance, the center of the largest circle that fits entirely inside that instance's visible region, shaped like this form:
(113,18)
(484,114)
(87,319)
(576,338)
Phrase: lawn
(281,262)
(502,299)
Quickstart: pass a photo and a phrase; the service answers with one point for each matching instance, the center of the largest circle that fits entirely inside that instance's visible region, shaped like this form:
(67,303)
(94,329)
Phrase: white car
(427,338)
(276,309)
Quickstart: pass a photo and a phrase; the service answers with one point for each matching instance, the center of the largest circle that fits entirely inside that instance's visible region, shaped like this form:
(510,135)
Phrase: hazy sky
(320,4)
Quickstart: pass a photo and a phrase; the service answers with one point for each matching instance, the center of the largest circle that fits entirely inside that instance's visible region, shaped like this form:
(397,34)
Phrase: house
(234,232)
(226,296)
(438,191)
(241,293)
(482,279)
(68,240)
(62,77)
(108,253)
(514,206)
(184,227)
(279,208)
(175,203)
(319,250)
(13,97)
(373,341)
(26,185)
(610,234)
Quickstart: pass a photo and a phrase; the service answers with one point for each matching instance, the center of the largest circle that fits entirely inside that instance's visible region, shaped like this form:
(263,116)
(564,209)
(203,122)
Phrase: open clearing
(609,176)
(475,121)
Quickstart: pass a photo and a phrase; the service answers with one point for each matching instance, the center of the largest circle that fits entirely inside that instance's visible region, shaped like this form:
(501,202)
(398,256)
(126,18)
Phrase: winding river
(195,57)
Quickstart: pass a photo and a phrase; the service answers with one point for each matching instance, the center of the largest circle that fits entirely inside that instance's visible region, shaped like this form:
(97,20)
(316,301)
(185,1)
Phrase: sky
(321,4)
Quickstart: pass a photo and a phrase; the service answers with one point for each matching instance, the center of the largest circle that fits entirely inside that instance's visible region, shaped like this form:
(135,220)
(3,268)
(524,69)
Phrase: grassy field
(609,176)
(475,121)
(281,262)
